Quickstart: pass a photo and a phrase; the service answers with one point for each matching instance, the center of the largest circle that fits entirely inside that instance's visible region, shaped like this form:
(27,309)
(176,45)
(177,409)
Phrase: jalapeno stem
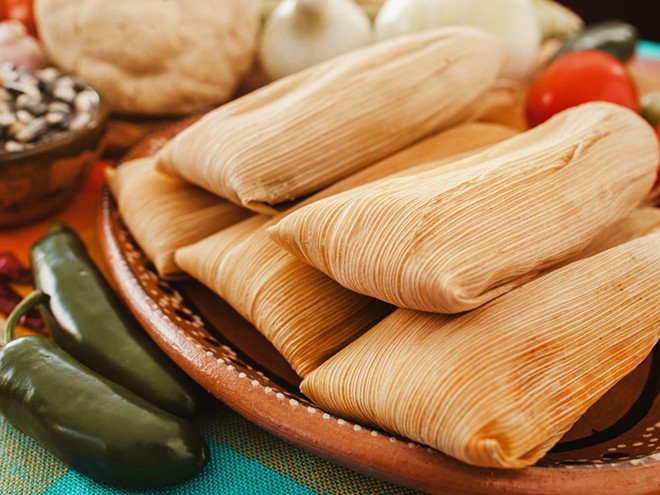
(29,302)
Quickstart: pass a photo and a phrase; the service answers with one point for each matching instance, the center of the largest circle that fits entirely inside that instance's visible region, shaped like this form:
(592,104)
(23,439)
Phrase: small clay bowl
(38,181)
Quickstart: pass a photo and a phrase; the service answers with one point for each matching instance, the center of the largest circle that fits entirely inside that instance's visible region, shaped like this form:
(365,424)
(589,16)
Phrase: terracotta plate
(613,449)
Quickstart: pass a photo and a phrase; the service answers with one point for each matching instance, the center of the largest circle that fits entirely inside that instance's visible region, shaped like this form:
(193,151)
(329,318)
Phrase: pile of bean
(38,105)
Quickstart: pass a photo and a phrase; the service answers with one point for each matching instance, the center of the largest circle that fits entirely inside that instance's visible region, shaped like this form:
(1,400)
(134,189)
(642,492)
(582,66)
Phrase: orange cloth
(81,214)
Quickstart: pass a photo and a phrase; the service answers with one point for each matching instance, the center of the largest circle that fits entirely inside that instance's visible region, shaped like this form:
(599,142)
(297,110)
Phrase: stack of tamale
(470,288)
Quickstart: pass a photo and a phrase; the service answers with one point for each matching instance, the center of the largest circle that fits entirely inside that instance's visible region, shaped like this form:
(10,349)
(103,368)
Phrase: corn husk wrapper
(164,213)
(305,314)
(505,104)
(640,222)
(445,146)
(499,386)
(449,243)
(654,196)
(202,259)
(306,131)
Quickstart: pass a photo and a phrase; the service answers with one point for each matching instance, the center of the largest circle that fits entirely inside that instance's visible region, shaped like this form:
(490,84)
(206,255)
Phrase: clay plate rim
(356,447)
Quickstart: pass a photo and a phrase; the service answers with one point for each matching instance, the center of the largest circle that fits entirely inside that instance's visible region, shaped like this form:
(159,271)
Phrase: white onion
(302,33)
(514,22)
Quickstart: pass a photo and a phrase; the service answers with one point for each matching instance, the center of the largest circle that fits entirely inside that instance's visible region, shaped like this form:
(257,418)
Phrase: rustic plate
(613,449)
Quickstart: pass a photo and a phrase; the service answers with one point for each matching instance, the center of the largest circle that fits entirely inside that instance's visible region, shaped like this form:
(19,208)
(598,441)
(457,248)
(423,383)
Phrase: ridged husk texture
(499,386)
(165,213)
(449,243)
(306,315)
(306,131)
(640,222)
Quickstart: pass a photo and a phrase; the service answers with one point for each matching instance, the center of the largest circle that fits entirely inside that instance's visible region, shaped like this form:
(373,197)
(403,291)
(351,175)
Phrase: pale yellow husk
(446,145)
(304,132)
(164,213)
(305,314)
(201,260)
(449,243)
(640,222)
(499,386)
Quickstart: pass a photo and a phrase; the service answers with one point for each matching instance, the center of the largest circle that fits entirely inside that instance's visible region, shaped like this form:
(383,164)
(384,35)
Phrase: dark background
(643,14)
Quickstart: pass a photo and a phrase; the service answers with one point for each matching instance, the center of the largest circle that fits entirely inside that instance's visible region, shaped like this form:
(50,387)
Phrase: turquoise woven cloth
(245,460)
(648,49)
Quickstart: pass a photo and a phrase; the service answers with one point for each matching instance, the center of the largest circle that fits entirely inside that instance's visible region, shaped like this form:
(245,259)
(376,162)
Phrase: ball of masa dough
(153,57)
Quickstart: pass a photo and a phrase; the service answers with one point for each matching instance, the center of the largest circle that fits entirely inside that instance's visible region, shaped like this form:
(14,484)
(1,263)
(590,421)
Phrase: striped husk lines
(306,131)
(302,312)
(165,213)
(499,386)
(449,243)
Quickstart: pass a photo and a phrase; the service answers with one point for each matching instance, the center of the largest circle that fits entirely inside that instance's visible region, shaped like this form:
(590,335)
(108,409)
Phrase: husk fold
(499,386)
(449,243)
(306,131)
(302,312)
(165,213)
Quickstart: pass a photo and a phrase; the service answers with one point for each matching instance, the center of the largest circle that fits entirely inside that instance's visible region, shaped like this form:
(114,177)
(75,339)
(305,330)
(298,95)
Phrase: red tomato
(21,10)
(576,78)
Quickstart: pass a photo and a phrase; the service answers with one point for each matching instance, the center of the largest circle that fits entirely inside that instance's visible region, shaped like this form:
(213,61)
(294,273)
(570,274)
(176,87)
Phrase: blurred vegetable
(615,37)
(91,424)
(12,270)
(370,7)
(19,48)
(576,78)
(302,33)
(514,22)
(557,21)
(650,108)
(21,10)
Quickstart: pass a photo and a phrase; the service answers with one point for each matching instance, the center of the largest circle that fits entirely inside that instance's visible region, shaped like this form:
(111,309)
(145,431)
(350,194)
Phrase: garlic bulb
(19,48)
(514,22)
(302,33)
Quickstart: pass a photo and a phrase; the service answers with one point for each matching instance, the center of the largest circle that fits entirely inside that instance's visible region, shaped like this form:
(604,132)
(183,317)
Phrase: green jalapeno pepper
(615,37)
(86,318)
(93,425)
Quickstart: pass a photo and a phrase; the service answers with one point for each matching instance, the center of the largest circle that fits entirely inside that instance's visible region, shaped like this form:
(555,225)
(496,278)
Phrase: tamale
(201,260)
(164,213)
(499,386)
(457,142)
(306,131)
(449,243)
(302,312)
(305,314)
(640,222)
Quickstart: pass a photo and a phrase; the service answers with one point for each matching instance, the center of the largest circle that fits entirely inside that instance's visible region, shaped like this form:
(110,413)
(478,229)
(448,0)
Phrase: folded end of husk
(266,209)
(202,259)
(515,374)
(164,213)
